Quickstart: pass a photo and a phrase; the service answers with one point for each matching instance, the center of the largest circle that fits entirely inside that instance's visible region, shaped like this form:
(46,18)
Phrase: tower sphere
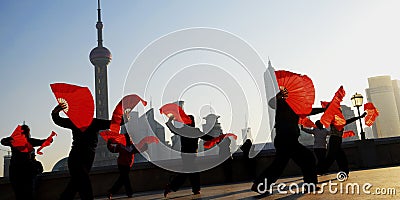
(100,56)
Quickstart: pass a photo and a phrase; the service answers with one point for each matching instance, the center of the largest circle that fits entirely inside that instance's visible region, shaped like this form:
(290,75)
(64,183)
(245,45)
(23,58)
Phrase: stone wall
(147,176)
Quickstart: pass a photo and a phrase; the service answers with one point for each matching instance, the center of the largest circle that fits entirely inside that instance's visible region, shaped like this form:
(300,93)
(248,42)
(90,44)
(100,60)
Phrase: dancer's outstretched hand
(59,107)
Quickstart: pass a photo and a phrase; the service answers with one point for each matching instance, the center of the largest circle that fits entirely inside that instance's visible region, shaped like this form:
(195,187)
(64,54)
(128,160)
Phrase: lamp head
(357,100)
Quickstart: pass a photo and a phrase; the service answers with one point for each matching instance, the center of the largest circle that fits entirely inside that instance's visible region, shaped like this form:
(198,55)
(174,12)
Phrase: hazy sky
(333,42)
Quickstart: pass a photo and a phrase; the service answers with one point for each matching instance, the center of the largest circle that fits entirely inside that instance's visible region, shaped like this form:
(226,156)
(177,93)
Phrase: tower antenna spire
(99,26)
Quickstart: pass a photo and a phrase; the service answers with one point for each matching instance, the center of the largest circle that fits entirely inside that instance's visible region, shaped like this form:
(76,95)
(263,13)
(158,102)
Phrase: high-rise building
(271,88)
(382,93)
(396,91)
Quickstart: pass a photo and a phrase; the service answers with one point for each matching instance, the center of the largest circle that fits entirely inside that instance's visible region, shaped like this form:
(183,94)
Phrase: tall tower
(100,57)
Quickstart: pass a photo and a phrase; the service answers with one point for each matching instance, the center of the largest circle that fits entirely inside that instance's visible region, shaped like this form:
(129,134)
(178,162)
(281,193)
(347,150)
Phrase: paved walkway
(381,183)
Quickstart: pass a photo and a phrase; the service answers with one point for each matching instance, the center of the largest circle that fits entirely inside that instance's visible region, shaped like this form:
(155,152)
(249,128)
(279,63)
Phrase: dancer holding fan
(294,100)
(189,136)
(77,103)
(126,156)
(122,143)
(21,165)
(333,118)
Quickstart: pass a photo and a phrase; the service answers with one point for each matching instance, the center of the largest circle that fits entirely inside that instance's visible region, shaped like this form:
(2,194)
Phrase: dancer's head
(319,124)
(26,130)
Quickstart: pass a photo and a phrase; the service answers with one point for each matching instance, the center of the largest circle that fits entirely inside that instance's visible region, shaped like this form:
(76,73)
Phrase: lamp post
(357,101)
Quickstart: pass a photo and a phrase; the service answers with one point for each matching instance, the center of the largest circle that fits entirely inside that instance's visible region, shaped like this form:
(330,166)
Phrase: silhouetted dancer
(81,156)
(249,163)
(37,169)
(335,151)
(320,133)
(225,154)
(21,165)
(189,136)
(126,156)
(287,147)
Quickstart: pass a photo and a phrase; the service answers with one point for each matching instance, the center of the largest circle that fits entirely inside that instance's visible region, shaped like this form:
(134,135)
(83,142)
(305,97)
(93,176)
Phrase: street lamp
(357,101)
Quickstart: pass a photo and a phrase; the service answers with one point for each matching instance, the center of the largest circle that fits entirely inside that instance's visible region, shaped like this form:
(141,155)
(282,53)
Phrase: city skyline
(334,43)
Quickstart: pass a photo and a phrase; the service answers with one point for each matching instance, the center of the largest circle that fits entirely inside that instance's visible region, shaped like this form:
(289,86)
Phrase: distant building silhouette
(6,169)
(349,113)
(270,90)
(384,94)
(246,134)
(146,125)
(212,127)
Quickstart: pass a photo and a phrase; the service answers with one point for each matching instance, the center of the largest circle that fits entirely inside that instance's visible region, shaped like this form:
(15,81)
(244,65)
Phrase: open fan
(347,134)
(46,143)
(79,101)
(147,140)
(306,122)
(301,92)
(19,140)
(124,107)
(177,111)
(211,143)
(115,137)
(333,114)
(372,113)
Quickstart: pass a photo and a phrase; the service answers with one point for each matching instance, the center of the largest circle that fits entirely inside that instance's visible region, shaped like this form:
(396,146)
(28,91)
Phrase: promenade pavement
(380,183)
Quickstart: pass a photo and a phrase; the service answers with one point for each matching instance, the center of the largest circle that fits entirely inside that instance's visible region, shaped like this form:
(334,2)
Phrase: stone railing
(147,176)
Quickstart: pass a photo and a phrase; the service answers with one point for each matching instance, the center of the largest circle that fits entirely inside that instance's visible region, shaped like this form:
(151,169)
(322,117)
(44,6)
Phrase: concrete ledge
(147,176)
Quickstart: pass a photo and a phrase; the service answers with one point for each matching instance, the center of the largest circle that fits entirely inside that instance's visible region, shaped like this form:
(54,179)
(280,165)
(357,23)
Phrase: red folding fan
(114,137)
(46,143)
(124,106)
(333,114)
(306,122)
(79,101)
(19,140)
(177,111)
(211,143)
(301,92)
(347,134)
(147,140)
(372,113)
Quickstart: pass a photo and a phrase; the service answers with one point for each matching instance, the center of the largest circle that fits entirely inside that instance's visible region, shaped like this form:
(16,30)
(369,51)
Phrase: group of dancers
(288,147)
(84,143)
